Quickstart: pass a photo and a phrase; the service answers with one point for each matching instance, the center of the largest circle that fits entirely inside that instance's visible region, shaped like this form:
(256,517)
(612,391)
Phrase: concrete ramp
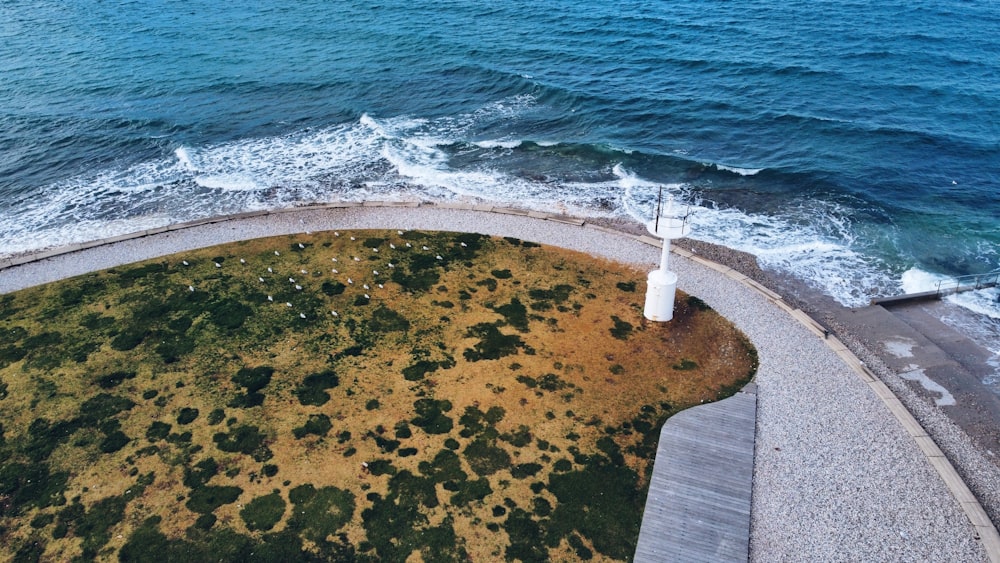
(698,506)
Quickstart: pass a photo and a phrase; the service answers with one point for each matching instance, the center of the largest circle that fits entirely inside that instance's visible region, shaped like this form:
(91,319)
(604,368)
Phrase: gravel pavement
(836,477)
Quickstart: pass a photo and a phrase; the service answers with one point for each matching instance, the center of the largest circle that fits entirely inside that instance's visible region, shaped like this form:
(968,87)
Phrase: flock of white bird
(336,272)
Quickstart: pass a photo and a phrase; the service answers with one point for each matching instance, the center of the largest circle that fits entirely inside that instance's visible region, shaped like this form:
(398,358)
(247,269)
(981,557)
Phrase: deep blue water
(845,142)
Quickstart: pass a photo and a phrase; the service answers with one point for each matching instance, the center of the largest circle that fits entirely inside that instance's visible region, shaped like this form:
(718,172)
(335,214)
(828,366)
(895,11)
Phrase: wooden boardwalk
(698,506)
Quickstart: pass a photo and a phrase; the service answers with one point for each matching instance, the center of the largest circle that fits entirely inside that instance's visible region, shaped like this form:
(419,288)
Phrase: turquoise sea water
(854,145)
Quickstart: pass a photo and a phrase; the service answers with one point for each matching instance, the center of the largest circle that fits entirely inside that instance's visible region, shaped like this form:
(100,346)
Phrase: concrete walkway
(698,506)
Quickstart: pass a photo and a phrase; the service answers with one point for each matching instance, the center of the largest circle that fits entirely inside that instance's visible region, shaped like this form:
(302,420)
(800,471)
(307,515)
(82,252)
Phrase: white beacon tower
(661,285)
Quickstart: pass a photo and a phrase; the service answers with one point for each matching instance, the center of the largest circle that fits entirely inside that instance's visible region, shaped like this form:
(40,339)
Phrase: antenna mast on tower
(661,284)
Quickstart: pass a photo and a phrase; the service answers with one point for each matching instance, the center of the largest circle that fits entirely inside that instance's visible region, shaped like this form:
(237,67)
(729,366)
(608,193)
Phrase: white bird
(185,262)
(391,265)
(304,271)
(463,244)
(270,298)
(425,247)
(349,280)
(356,259)
(375,272)
(352,238)
(302,315)
(335,271)
(288,304)
(301,245)
(334,313)
(276,253)
(260,279)
(336,234)
(270,271)
(365,286)
(333,259)
(399,232)
(242,261)
(366,296)
(408,245)
(291,280)
(392,246)
(439,257)
(380,286)
(375,250)
(190,288)
(298,287)
(217,265)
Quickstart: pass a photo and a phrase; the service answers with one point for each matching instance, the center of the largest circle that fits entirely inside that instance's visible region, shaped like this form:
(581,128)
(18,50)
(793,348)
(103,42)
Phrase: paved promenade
(841,472)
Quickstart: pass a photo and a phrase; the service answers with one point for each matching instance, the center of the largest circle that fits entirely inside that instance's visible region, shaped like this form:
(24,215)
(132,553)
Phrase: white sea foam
(982,301)
(405,158)
(499,144)
(810,241)
(740,171)
(916,280)
(184,158)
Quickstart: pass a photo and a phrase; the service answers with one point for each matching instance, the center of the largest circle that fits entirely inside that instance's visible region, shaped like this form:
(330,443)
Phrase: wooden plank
(698,505)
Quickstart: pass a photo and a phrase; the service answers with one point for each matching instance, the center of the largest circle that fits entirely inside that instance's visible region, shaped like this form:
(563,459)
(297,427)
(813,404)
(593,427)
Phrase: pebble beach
(836,476)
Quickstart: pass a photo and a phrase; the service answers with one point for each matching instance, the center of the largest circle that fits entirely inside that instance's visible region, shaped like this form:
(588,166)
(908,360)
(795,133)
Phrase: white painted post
(661,285)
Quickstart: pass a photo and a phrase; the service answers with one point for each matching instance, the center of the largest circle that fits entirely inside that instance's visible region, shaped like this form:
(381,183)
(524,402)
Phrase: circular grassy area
(377,395)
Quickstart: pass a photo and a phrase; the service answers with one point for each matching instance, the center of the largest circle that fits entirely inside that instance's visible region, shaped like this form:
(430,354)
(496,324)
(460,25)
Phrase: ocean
(852,145)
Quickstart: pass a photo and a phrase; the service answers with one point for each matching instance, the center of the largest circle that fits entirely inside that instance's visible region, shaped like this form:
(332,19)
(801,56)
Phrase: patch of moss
(492,345)
(23,485)
(94,524)
(102,406)
(419,370)
(484,457)
(187,415)
(622,329)
(518,438)
(602,502)
(228,313)
(114,379)
(526,537)
(332,288)
(446,466)
(525,470)
(252,380)
(319,513)
(628,287)
(312,390)
(515,314)
(685,365)
(698,304)
(317,424)
(245,439)
(215,417)
(206,499)
(199,475)
(396,525)
(262,513)
(430,416)
(384,319)
(471,490)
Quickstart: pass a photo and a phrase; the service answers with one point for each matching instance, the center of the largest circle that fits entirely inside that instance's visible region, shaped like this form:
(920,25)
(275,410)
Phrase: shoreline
(592,240)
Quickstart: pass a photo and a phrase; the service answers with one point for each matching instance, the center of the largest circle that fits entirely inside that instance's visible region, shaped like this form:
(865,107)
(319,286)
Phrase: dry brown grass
(600,384)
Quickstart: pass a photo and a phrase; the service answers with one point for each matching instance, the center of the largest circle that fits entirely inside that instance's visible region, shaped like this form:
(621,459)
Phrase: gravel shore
(836,477)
